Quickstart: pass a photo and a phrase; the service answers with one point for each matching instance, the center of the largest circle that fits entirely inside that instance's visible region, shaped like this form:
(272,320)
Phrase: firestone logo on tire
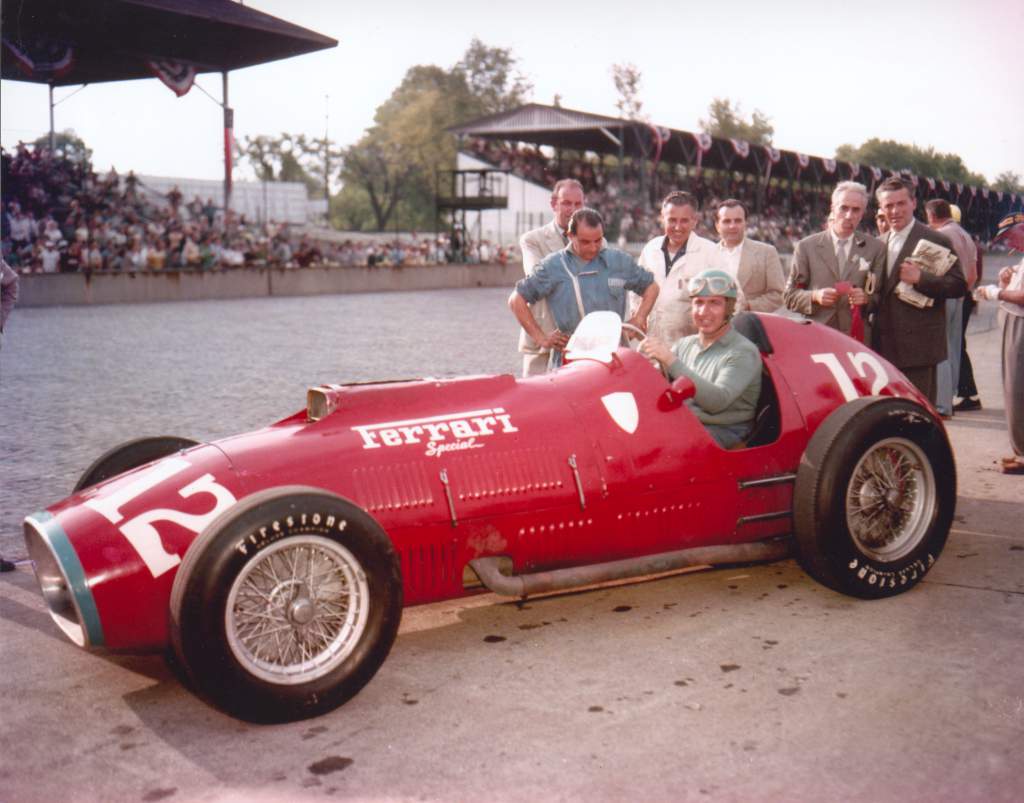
(449,432)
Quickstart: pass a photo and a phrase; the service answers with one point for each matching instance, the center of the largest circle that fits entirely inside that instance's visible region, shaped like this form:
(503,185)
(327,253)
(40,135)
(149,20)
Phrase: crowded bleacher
(61,216)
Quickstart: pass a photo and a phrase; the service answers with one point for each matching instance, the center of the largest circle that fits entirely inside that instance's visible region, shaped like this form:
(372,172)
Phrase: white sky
(933,73)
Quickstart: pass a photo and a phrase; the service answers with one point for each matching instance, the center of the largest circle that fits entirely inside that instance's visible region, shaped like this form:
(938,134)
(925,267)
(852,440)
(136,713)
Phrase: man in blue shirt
(582,278)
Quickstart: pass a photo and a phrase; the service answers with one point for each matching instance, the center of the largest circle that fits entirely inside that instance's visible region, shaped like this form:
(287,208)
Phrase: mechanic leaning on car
(584,277)
(724,365)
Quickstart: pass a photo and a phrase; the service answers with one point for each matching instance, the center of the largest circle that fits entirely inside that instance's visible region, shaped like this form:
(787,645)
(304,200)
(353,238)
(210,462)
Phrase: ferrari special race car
(274,566)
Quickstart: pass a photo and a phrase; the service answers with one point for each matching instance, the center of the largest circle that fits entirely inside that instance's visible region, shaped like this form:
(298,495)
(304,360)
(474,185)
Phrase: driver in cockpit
(725,367)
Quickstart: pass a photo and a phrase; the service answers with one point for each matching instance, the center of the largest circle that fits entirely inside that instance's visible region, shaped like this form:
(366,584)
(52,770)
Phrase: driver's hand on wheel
(555,340)
(655,349)
(639,323)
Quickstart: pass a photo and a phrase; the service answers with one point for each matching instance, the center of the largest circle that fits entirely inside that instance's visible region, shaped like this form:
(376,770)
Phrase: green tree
(726,121)
(892,155)
(395,163)
(290,157)
(493,78)
(1008,181)
(626,78)
(67,145)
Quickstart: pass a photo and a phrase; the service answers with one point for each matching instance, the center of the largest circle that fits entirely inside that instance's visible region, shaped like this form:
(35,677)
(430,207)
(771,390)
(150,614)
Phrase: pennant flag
(876,173)
(959,188)
(931,183)
(803,160)
(830,165)
(854,170)
(740,147)
(945,184)
(41,58)
(661,136)
(176,75)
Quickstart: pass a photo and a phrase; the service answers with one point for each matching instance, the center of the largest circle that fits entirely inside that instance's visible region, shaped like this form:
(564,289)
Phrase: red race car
(275,564)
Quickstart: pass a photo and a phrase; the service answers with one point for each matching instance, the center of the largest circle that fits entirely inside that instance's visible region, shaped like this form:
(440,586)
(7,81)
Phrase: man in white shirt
(674,258)
(755,266)
(912,338)
(566,197)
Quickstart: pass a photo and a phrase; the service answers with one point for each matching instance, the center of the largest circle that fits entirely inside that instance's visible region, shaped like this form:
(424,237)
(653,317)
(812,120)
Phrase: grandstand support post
(53,136)
(229,124)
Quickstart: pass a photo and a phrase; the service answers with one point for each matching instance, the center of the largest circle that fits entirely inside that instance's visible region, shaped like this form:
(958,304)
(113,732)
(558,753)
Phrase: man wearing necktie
(834,271)
(912,338)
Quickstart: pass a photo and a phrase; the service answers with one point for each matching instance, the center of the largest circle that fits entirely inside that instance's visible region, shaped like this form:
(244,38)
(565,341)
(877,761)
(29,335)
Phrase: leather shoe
(970,403)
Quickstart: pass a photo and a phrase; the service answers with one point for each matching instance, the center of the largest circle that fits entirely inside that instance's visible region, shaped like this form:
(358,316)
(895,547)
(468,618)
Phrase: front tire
(286,605)
(874,498)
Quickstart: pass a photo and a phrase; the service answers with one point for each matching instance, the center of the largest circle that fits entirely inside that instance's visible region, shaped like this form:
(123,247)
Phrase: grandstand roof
(112,40)
(581,131)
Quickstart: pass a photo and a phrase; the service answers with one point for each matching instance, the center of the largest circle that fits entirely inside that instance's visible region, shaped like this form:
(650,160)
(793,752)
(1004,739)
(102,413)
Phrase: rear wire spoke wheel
(286,605)
(874,497)
(889,499)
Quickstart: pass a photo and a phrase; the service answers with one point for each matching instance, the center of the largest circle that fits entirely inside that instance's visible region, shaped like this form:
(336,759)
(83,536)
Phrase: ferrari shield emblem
(622,408)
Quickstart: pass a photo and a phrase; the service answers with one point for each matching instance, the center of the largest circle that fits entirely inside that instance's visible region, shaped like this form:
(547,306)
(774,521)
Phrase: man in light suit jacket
(674,258)
(912,338)
(816,271)
(756,266)
(566,197)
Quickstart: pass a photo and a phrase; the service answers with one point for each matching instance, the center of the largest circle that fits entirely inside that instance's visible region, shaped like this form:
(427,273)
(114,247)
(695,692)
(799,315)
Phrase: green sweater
(727,375)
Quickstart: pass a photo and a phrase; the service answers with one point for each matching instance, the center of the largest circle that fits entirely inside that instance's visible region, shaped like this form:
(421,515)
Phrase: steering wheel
(637,329)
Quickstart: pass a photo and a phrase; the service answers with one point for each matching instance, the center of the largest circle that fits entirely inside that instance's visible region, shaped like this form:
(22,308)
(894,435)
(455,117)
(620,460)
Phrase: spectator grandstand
(61,216)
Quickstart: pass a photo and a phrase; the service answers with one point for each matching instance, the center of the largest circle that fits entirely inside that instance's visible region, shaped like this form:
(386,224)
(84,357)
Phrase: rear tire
(874,497)
(286,605)
(129,455)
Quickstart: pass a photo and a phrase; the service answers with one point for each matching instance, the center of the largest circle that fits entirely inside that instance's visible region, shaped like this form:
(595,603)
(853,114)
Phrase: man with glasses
(724,366)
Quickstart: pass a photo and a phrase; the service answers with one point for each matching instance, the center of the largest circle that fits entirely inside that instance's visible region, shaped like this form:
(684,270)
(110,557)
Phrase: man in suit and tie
(912,338)
(831,269)
(674,258)
(755,266)
(566,197)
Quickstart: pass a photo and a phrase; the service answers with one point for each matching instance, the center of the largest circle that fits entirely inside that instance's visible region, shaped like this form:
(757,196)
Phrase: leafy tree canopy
(892,155)
(1008,181)
(67,145)
(726,121)
(626,78)
(394,164)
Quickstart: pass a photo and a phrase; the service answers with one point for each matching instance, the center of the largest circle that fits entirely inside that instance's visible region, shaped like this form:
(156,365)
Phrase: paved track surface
(749,684)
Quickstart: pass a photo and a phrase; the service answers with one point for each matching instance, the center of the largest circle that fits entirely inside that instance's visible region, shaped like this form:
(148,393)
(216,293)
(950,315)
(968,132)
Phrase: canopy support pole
(53,136)
(229,124)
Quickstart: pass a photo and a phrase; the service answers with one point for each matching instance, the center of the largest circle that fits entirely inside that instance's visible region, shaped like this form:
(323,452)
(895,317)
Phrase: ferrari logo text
(440,433)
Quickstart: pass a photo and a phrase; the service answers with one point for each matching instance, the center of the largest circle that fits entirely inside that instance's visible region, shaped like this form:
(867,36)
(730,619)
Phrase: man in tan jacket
(755,266)
(831,269)
(566,197)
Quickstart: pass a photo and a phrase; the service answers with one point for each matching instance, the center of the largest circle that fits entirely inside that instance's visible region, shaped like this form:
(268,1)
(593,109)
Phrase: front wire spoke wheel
(297,609)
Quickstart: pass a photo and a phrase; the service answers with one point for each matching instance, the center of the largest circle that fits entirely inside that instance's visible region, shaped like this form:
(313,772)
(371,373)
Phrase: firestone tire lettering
(316,566)
(874,497)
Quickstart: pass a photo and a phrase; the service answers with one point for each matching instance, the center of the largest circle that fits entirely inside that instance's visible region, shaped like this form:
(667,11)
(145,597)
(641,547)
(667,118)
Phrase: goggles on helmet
(701,285)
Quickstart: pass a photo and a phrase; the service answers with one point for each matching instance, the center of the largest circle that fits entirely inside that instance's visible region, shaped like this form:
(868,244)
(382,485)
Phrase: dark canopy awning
(568,129)
(112,40)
